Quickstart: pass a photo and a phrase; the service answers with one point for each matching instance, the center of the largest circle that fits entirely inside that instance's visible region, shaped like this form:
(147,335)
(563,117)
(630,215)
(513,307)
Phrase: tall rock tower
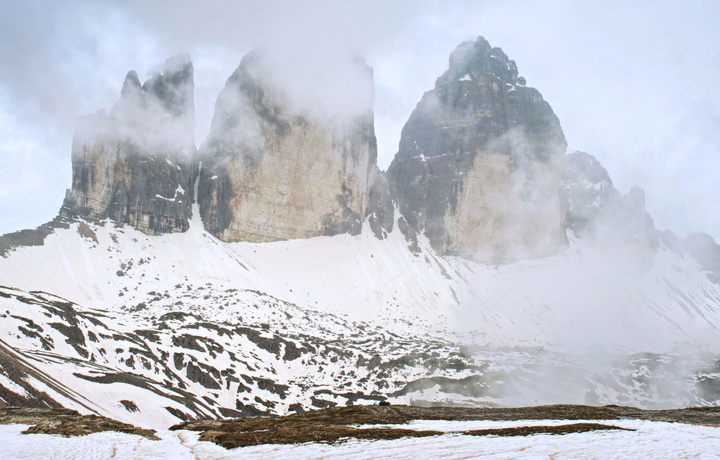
(480,162)
(133,165)
(282,162)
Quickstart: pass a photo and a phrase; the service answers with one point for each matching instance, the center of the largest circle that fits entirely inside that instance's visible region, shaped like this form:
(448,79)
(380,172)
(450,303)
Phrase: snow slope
(184,325)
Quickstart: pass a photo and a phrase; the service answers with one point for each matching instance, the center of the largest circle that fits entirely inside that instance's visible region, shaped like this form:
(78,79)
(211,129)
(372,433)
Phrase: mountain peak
(292,151)
(471,59)
(478,167)
(133,165)
(131,86)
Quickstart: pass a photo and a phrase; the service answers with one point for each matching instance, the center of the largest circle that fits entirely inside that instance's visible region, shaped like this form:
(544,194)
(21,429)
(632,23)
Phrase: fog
(635,85)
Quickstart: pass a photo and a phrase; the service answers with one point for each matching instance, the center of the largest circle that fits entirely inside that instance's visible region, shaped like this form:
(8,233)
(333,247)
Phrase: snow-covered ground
(193,324)
(656,440)
(587,298)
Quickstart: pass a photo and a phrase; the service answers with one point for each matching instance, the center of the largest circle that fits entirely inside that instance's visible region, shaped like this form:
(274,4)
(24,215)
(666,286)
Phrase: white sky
(633,83)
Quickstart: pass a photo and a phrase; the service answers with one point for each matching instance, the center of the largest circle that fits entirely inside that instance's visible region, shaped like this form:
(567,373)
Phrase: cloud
(624,79)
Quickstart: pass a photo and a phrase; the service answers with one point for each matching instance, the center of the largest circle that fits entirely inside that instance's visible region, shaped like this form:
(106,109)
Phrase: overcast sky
(637,84)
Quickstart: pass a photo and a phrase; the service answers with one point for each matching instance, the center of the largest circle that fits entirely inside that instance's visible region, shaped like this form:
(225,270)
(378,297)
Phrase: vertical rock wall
(480,161)
(272,170)
(133,165)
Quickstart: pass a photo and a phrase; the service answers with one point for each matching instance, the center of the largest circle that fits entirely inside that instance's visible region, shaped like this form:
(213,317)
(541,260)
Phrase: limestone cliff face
(133,165)
(480,160)
(273,171)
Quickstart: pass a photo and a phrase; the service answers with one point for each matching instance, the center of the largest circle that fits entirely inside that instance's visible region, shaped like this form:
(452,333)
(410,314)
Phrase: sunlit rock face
(133,165)
(480,161)
(279,164)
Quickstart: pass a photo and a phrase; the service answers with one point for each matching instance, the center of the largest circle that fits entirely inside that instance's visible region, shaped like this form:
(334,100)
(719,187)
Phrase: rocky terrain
(185,326)
(271,273)
(274,171)
(596,210)
(480,162)
(66,422)
(134,165)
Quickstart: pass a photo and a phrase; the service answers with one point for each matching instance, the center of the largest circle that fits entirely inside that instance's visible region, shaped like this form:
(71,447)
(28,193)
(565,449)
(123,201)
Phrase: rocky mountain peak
(596,210)
(275,166)
(131,88)
(159,113)
(133,165)
(586,190)
(174,88)
(479,162)
(474,58)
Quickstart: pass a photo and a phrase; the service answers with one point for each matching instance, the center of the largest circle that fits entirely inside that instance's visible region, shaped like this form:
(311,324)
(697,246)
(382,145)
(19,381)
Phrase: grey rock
(702,247)
(133,165)
(29,237)
(478,138)
(586,189)
(380,211)
(595,209)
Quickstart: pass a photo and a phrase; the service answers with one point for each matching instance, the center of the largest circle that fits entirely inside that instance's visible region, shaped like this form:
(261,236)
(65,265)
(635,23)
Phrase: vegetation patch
(67,422)
(338,424)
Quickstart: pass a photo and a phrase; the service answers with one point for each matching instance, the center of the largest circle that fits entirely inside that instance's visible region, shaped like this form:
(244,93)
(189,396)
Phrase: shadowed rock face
(133,166)
(479,163)
(595,209)
(274,171)
(587,191)
(703,248)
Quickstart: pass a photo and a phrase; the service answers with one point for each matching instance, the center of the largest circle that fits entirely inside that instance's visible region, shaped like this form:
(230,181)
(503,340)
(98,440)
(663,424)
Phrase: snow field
(656,440)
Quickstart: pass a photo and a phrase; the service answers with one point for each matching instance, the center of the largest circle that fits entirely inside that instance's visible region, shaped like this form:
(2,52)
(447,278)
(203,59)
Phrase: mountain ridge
(151,321)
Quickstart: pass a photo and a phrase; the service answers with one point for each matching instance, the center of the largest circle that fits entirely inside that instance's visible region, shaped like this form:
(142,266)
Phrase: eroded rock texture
(133,165)
(480,161)
(275,170)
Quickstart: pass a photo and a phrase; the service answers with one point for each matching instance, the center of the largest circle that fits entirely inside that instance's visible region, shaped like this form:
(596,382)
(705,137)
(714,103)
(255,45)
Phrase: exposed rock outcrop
(702,247)
(594,208)
(586,190)
(273,169)
(133,165)
(29,237)
(480,160)
(380,211)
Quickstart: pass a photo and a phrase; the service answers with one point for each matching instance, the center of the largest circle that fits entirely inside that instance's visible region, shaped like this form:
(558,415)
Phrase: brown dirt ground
(67,422)
(336,424)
